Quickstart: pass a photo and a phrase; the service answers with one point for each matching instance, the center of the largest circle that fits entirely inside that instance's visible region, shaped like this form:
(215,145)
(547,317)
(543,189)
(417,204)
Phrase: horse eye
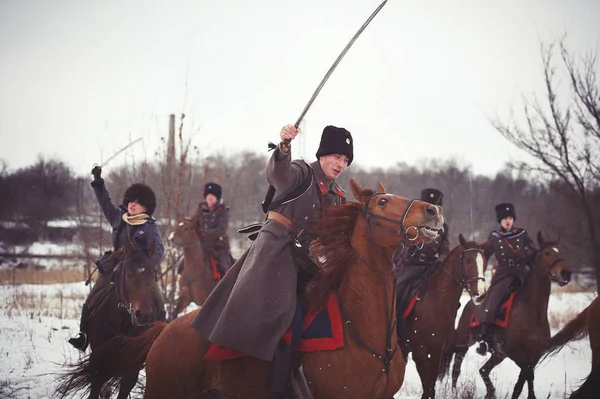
(382,201)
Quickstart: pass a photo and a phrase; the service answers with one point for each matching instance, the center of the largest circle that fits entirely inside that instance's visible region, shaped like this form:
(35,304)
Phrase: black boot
(80,341)
(484,335)
(281,371)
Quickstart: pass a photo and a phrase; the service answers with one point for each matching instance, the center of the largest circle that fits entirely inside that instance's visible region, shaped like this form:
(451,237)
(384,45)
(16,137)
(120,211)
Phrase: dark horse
(586,323)
(356,243)
(527,333)
(196,281)
(125,308)
(430,325)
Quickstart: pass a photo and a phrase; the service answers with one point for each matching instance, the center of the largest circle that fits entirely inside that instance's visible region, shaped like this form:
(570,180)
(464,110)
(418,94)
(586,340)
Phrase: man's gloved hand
(97,172)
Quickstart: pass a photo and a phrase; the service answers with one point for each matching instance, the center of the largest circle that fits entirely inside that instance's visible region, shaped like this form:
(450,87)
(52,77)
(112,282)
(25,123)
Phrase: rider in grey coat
(254,304)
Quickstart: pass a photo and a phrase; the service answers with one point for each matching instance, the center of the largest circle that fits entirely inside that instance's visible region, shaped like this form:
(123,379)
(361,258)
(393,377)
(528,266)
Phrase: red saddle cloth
(503,315)
(411,306)
(321,331)
(216,273)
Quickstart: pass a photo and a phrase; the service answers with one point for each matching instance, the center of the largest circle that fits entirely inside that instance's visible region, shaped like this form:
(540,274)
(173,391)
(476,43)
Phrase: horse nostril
(432,210)
(566,275)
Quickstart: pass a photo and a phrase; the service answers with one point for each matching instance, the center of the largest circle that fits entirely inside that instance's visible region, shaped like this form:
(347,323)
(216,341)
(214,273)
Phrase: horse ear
(381,187)
(540,239)
(461,239)
(357,190)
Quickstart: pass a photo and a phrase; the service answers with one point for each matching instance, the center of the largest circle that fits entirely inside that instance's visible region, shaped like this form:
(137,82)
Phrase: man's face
(211,200)
(333,165)
(507,223)
(134,208)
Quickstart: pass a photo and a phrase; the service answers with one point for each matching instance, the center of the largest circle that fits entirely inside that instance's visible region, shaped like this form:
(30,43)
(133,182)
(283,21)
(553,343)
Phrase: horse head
(471,261)
(394,220)
(550,261)
(135,282)
(186,233)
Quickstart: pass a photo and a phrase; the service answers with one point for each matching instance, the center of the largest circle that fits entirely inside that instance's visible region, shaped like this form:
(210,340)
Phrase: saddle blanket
(503,315)
(319,331)
(411,306)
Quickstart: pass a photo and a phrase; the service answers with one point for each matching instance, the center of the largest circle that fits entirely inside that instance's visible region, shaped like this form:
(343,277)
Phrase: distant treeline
(49,190)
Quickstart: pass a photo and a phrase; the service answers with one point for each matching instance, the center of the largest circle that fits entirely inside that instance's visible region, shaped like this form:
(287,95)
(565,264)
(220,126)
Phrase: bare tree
(562,132)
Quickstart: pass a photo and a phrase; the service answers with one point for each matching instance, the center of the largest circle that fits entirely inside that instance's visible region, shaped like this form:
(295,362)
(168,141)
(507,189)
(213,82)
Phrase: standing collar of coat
(324,184)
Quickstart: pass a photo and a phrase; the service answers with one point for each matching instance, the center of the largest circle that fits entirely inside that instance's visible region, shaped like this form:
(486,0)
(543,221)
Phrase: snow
(37,320)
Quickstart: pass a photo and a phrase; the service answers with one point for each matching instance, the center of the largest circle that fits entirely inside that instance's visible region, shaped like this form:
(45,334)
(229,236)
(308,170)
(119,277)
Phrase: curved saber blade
(120,151)
(336,62)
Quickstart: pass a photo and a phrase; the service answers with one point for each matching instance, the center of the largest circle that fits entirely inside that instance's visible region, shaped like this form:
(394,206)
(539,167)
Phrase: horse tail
(120,356)
(575,330)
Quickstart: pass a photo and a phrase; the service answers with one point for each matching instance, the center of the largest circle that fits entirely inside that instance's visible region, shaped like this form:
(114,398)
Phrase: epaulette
(340,191)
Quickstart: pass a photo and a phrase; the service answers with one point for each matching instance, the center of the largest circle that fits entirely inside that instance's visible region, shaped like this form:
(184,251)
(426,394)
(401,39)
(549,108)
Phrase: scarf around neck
(135,220)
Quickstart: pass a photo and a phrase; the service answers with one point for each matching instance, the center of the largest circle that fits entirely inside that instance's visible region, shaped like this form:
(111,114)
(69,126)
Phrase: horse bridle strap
(371,218)
(464,282)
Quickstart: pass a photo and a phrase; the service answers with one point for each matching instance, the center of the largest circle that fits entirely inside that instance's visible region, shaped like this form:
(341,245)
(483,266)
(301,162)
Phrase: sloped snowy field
(36,321)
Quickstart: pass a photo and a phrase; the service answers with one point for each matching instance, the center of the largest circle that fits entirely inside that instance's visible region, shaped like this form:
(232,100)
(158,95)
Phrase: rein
(391,320)
(464,282)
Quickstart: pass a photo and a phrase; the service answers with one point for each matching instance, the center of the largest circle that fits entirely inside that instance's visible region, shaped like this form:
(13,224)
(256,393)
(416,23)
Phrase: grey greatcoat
(512,269)
(215,241)
(253,305)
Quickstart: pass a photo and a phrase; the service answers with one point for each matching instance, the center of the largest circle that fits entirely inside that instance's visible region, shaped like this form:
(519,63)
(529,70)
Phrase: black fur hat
(336,140)
(505,210)
(143,194)
(432,195)
(214,189)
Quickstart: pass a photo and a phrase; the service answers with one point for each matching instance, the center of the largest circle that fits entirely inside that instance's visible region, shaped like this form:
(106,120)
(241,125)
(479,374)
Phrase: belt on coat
(278,217)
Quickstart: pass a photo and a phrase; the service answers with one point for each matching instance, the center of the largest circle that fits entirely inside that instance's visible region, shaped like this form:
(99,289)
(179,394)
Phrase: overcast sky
(79,80)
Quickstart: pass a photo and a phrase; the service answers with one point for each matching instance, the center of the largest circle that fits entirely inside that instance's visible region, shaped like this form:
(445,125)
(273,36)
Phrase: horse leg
(428,367)
(485,371)
(183,302)
(529,377)
(459,356)
(590,386)
(127,384)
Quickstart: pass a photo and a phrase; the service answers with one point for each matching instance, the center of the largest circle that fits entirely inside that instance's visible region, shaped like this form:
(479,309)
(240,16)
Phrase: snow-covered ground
(36,321)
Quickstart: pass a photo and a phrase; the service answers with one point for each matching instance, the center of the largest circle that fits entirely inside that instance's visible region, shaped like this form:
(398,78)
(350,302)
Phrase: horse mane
(334,232)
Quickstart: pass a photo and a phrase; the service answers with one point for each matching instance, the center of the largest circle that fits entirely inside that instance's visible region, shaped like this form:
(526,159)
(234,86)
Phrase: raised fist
(97,172)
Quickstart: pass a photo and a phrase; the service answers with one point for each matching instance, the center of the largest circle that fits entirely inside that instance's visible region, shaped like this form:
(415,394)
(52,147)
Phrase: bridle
(391,320)
(193,244)
(464,281)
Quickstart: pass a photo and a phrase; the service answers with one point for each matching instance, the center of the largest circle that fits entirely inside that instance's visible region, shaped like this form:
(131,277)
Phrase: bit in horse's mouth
(429,232)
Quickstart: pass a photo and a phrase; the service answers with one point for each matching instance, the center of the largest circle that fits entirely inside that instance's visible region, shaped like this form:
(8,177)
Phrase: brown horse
(356,242)
(430,325)
(124,308)
(196,281)
(527,333)
(586,322)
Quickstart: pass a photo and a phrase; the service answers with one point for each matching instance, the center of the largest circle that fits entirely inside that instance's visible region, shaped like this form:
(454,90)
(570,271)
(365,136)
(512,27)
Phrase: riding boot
(281,371)
(80,341)
(484,335)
